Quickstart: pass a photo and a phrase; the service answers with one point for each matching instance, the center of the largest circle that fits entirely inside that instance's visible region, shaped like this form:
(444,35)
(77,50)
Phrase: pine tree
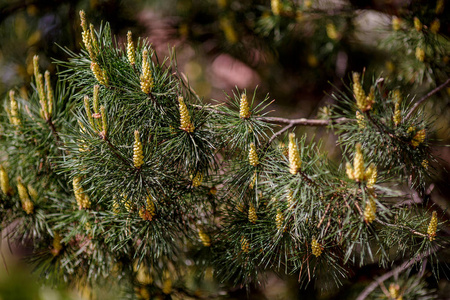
(121,172)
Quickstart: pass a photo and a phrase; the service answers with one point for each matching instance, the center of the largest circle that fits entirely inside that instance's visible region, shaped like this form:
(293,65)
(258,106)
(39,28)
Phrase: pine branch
(59,141)
(381,129)
(431,93)
(152,216)
(54,131)
(115,151)
(402,227)
(290,122)
(208,108)
(307,179)
(278,133)
(304,121)
(369,289)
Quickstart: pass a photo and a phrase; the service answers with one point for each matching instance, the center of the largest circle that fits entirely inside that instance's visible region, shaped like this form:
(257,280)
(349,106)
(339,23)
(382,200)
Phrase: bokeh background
(299,56)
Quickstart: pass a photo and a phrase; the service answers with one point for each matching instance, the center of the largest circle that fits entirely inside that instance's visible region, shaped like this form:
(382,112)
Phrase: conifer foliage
(121,172)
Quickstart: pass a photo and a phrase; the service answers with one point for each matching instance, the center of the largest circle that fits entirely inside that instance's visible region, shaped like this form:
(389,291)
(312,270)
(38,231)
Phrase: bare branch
(402,227)
(54,131)
(369,289)
(115,151)
(279,133)
(303,121)
(431,93)
(290,122)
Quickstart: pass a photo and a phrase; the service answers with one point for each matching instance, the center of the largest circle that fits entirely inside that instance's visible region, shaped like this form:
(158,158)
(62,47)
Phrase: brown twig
(309,180)
(53,129)
(303,121)
(359,208)
(346,203)
(59,141)
(211,109)
(402,227)
(431,93)
(293,122)
(278,133)
(289,122)
(392,136)
(369,289)
(115,151)
(324,215)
